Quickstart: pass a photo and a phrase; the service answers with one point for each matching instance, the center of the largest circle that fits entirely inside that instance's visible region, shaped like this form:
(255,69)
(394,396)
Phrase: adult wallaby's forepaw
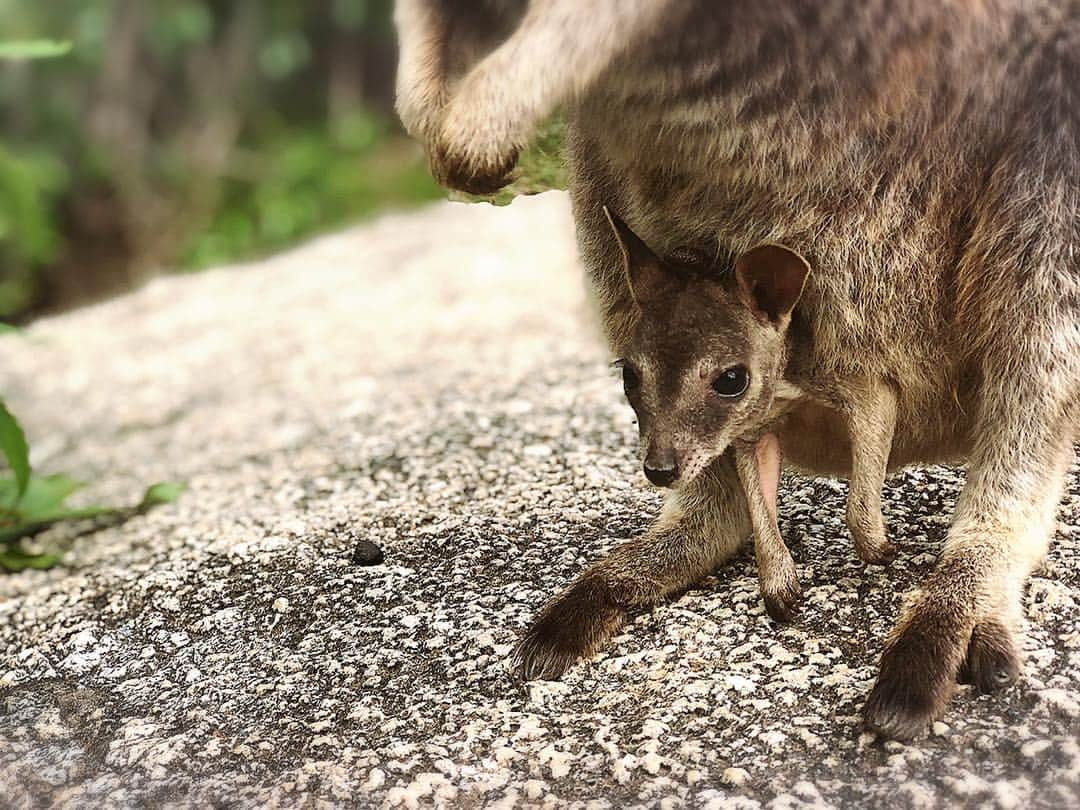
(476,149)
(783,605)
(916,680)
(991,662)
(571,627)
(471,175)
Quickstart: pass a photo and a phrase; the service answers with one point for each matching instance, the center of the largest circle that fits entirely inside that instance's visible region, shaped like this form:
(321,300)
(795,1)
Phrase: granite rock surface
(432,386)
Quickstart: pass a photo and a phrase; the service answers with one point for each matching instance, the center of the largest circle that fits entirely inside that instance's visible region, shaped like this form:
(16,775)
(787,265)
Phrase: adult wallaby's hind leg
(1003,522)
(701,525)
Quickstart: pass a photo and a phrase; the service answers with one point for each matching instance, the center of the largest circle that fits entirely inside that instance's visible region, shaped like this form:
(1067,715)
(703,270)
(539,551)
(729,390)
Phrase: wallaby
(924,157)
(709,370)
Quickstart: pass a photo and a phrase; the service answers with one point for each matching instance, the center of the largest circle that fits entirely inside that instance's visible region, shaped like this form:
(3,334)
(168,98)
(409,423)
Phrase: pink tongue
(767,452)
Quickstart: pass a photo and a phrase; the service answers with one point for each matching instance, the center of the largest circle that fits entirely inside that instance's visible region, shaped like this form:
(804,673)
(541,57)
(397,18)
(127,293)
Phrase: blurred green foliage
(187,133)
(300,181)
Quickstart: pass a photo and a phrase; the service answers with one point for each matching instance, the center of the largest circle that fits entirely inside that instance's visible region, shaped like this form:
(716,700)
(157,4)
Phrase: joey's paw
(782,604)
(991,662)
(571,627)
(880,552)
(868,533)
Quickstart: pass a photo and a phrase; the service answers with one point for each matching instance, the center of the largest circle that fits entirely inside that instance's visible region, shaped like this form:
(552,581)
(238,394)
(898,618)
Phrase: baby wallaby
(707,371)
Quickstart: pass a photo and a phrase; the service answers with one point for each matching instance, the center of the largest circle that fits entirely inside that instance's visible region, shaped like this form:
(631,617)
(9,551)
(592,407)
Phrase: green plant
(187,133)
(30,504)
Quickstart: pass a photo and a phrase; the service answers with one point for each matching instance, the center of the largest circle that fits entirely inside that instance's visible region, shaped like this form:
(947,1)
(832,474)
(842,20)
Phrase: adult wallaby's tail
(474,80)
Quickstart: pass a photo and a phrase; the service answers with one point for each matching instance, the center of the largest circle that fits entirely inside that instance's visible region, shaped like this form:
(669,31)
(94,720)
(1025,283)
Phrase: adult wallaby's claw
(897,715)
(906,699)
(991,662)
(571,627)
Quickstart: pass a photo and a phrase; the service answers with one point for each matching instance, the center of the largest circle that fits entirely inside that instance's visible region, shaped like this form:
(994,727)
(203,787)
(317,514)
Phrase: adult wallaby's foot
(918,671)
(917,676)
(992,661)
(572,626)
(1002,526)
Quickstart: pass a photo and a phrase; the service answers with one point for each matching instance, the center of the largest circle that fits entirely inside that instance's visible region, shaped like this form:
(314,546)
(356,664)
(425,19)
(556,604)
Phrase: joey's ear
(645,273)
(771,279)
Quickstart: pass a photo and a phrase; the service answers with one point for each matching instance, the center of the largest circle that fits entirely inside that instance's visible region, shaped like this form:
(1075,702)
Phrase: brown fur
(924,155)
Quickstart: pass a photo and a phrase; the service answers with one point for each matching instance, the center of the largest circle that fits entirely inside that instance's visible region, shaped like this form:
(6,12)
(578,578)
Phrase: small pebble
(367,553)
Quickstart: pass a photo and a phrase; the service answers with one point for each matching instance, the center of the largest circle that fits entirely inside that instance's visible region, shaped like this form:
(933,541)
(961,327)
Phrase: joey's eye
(732,382)
(630,379)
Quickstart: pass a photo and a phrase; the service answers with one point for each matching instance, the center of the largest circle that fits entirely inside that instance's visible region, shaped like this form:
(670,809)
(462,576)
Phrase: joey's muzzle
(660,466)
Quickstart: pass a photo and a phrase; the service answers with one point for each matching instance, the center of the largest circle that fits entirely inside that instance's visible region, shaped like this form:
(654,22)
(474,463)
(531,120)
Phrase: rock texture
(432,384)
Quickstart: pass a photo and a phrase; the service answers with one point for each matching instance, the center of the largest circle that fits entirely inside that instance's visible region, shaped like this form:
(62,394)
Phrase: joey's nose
(660,467)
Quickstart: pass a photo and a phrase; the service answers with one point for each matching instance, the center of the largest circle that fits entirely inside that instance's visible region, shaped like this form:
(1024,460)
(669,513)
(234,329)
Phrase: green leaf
(43,505)
(15,559)
(42,499)
(8,329)
(161,492)
(16,451)
(34,49)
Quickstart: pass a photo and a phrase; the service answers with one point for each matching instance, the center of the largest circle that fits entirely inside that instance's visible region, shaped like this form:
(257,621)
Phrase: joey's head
(705,358)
